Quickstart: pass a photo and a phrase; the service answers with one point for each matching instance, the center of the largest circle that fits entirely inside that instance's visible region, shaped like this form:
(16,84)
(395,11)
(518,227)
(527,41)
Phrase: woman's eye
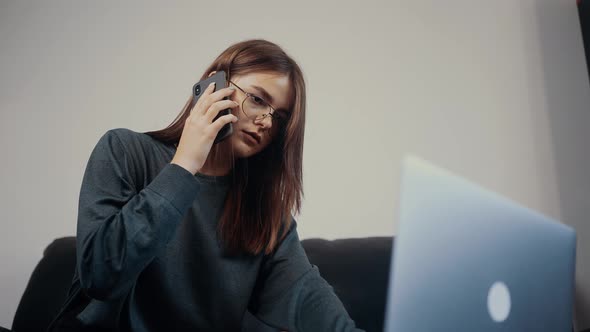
(258,100)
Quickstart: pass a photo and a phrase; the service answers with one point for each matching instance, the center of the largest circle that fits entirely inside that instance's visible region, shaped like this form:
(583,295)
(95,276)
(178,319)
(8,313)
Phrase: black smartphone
(220,83)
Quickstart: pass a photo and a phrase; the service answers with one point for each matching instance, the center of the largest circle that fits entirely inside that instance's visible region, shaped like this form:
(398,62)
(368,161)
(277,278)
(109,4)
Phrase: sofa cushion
(357,269)
(48,286)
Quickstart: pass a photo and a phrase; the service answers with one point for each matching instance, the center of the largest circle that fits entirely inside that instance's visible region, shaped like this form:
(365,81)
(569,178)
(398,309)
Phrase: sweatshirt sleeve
(294,296)
(121,227)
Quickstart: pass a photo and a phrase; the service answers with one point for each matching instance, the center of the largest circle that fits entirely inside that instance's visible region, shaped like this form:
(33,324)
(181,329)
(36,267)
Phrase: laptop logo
(499,302)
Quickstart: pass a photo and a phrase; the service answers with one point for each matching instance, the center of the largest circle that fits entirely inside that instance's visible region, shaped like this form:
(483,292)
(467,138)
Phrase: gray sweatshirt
(149,258)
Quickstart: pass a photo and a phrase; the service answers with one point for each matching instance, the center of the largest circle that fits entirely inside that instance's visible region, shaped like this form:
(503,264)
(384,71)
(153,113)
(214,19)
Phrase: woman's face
(273,88)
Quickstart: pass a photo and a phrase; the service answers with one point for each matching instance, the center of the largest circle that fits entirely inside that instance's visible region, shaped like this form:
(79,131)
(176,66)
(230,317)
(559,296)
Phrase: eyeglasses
(256,108)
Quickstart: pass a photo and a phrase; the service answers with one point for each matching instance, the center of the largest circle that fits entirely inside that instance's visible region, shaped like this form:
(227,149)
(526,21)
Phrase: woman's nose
(266,121)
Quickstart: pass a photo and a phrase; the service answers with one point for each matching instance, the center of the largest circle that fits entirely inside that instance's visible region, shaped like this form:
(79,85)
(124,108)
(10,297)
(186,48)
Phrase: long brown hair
(266,188)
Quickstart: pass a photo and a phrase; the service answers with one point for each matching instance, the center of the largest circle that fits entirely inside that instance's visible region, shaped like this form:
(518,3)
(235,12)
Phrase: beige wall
(494,90)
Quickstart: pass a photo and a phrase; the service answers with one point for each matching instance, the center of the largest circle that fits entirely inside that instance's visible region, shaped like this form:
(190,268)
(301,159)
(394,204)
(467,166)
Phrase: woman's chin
(243,149)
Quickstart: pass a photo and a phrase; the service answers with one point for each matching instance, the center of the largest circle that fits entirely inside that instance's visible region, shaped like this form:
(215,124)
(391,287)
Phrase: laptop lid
(467,259)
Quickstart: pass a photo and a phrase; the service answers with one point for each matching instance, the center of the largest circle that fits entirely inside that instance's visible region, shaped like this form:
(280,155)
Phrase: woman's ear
(212,73)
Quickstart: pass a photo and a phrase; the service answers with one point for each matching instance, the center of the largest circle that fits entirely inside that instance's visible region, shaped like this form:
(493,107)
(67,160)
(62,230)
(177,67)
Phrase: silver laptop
(466,259)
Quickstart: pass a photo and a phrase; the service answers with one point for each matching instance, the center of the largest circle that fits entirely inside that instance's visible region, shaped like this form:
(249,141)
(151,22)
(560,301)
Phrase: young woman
(177,233)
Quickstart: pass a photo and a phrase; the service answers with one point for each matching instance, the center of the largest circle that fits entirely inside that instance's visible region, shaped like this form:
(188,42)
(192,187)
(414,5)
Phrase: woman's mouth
(252,137)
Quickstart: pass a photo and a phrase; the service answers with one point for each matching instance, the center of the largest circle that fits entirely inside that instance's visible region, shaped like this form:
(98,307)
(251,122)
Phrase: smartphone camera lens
(197,89)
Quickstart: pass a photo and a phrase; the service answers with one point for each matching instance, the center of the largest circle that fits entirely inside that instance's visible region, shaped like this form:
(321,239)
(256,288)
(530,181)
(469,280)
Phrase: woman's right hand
(200,131)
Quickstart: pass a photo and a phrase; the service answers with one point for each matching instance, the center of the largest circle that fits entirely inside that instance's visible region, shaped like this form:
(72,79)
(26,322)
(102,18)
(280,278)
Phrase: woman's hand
(200,131)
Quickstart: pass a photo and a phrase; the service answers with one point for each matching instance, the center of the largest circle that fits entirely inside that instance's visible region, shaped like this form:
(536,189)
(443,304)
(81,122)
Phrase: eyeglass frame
(280,119)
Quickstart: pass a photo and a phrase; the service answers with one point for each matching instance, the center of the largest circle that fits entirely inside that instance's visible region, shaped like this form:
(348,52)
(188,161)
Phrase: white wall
(494,90)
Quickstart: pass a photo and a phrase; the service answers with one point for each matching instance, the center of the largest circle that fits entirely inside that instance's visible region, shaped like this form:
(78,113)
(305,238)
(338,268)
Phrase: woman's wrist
(191,168)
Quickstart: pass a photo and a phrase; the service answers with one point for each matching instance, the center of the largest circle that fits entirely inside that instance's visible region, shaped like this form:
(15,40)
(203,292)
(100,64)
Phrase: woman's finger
(217,107)
(222,121)
(220,94)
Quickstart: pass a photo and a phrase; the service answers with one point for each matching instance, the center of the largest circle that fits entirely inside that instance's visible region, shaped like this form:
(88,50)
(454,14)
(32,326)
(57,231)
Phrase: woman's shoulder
(122,133)
(126,135)
(132,141)
(143,155)
(137,154)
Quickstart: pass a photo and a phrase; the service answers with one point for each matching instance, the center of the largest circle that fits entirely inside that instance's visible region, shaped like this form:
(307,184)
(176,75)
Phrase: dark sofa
(358,270)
